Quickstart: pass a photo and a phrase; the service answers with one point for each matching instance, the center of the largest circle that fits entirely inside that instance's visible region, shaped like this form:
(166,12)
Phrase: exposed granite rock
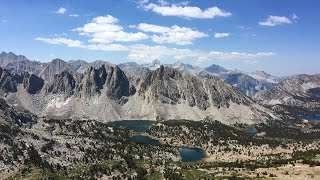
(56,66)
(171,86)
(62,83)
(8,82)
(32,83)
(90,82)
(117,84)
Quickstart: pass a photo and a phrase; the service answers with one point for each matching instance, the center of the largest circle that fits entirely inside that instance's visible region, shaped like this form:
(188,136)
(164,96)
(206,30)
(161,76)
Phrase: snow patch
(58,102)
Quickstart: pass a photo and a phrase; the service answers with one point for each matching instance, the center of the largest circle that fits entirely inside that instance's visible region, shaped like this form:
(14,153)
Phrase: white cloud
(61,41)
(107,47)
(174,34)
(61,10)
(74,15)
(79,44)
(182,10)
(221,35)
(275,20)
(104,29)
(144,53)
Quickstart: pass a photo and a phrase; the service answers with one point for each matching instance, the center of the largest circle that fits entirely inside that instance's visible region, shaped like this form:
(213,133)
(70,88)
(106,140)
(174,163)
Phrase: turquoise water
(140,126)
(251,130)
(191,154)
(135,125)
(311,118)
(141,139)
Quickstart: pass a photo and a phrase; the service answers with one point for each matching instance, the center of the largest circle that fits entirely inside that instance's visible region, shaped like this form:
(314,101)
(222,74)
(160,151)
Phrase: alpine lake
(187,154)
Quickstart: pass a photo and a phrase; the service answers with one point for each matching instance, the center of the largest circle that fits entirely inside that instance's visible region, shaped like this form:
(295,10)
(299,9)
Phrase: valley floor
(75,149)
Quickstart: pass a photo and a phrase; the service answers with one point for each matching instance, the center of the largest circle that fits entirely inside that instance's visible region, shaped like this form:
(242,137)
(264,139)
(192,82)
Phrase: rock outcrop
(32,83)
(113,82)
(8,82)
(56,66)
(62,83)
(171,86)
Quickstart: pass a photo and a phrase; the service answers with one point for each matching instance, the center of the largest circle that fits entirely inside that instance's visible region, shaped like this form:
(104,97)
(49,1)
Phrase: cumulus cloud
(221,35)
(183,10)
(104,29)
(174,34)
(61,10)
(79,44)
(145,53)
(275,21)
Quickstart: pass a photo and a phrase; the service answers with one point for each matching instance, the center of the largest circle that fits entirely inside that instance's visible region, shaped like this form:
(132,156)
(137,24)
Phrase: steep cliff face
(32,83)
(170,86)
(62,83)
(113,82)
(8,82)
(300,92)
(117,84)
(91,82)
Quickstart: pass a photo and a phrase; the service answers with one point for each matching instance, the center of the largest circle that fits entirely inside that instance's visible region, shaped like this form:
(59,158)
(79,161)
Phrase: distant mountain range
(298,95)
(247,83)
(103,91)
(132,83)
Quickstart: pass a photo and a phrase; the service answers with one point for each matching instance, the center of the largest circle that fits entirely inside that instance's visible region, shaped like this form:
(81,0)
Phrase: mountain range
(248,83)
(104,91)
(298,95)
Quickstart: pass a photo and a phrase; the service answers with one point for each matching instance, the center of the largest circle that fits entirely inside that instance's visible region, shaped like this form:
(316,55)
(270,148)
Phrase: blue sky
(278,36)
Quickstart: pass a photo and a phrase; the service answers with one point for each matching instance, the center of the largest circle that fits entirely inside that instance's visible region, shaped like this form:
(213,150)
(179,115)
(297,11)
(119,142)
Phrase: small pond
(191,154)
(134,125)
(140,126)
(311,118)
(250,130)
(141,139)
